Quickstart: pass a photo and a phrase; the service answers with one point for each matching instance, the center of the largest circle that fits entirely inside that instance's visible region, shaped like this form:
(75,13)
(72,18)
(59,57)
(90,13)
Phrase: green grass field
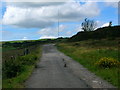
(89,52)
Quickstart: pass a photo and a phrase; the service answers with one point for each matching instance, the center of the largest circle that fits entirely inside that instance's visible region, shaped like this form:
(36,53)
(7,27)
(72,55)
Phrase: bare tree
(88,25)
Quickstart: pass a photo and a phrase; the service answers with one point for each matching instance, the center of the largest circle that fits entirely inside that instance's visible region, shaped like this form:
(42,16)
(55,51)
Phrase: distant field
(89,52)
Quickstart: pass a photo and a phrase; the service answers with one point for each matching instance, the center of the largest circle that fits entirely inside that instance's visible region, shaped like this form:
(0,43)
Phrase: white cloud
(75,12)
(105,25)
(51,31)
(5,33)
(98,24)
(47,37)
(25,38)
(69,33)
(113,3)
(35,0)
(44,16)
(78,28)
(33,4)
(0,22)
(60,0)
(48,31)
(25,18)
(61,27)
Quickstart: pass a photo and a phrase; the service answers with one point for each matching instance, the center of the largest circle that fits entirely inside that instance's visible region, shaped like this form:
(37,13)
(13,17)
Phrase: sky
(39,20)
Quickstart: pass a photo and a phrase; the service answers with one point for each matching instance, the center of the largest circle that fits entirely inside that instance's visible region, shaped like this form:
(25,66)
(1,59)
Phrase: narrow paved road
(52,73)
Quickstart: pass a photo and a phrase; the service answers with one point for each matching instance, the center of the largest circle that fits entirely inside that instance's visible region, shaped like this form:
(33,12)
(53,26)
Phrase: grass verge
(27,62)
(17,82)
(88,54)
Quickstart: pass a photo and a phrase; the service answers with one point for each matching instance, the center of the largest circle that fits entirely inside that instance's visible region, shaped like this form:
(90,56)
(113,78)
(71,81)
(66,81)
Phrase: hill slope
(100,33)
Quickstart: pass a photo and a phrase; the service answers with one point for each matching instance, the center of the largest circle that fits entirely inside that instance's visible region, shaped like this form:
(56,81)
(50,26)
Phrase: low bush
(13,67)
(28,59)
(107,62)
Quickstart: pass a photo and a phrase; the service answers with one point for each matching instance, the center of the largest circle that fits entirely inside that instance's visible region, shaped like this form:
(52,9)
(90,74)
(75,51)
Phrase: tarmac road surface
(52,72)
(56,70)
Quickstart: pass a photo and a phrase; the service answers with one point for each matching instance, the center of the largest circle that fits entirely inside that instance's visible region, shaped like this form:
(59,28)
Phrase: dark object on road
(65,65)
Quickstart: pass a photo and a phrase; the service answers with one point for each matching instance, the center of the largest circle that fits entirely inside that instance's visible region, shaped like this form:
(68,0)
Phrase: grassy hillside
(100,33)
(89,52)
(98,51)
